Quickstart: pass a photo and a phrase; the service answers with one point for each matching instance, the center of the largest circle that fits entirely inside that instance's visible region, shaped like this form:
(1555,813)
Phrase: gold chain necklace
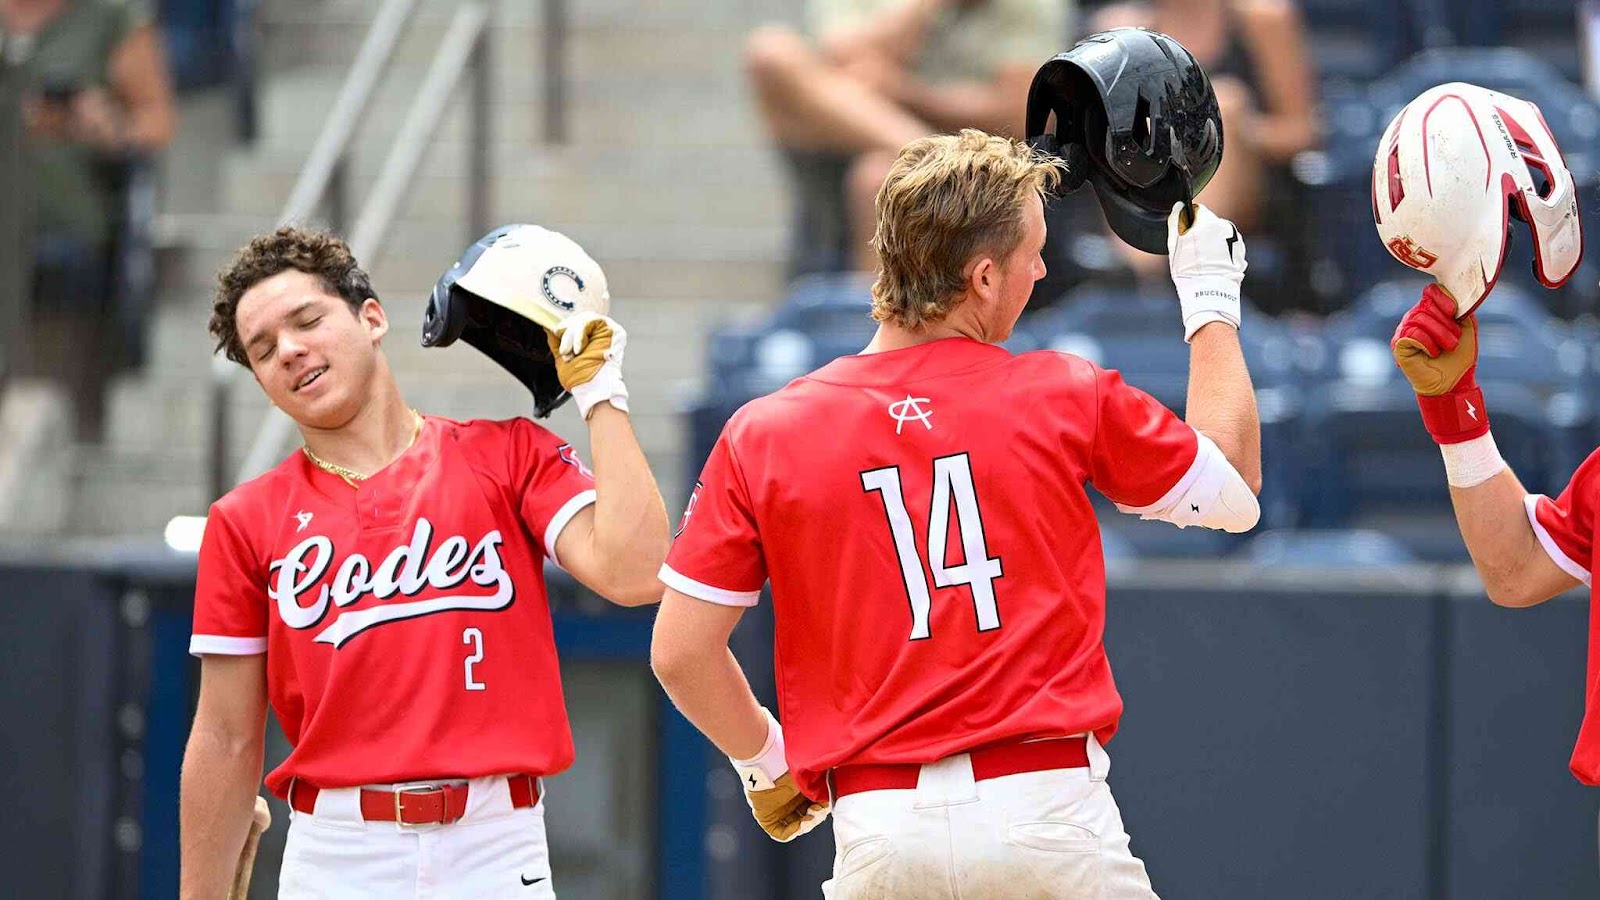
(351,476)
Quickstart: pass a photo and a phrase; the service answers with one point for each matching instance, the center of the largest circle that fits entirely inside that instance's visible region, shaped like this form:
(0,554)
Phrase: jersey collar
(922,361)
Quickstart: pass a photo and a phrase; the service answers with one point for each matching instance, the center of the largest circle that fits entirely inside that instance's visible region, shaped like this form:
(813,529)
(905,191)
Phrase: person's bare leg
(809,104)
(867,173)
(1235,191)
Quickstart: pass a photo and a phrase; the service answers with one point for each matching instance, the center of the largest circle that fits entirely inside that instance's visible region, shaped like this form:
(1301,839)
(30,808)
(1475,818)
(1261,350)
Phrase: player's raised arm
(221,771)
(533,301)
(616,546)
(1439,356)
(1207,259)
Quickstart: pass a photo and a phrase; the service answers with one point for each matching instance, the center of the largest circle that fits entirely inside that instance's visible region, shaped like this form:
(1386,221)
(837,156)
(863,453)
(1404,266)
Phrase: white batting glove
(1208,264)
(588,349)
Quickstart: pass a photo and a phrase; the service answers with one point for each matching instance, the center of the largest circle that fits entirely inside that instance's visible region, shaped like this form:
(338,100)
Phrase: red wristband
(1457,416)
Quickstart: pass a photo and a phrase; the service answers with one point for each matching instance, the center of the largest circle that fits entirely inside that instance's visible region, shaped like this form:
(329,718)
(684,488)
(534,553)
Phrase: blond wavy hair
(947,199)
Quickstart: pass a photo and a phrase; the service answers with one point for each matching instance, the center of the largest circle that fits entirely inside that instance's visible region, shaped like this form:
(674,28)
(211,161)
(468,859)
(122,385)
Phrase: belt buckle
(415,787)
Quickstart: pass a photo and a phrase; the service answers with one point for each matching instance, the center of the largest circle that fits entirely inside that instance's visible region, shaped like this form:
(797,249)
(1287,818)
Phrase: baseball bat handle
(260,820)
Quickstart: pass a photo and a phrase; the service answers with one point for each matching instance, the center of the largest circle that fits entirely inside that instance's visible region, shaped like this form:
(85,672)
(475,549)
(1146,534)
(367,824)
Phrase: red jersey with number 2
(405,622)
(937,578)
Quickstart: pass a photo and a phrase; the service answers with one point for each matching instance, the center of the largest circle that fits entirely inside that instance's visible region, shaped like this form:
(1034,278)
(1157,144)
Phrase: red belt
(987,762)
(418,805)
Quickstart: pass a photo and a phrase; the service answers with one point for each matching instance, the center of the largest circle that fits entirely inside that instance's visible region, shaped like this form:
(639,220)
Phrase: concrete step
(551,199)
(517,47)
(611,113)
(124,493)
(721,16)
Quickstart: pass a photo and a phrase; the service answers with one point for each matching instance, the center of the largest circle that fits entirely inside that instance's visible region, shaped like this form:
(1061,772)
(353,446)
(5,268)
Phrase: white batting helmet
(1452,168)
(537,273)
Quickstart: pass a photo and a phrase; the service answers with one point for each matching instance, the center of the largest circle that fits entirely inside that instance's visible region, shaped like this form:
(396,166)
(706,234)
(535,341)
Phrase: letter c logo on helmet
(1453,168)
(505,292)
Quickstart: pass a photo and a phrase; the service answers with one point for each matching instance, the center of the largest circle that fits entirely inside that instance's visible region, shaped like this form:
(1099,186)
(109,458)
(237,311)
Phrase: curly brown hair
(317,253)
(947,199)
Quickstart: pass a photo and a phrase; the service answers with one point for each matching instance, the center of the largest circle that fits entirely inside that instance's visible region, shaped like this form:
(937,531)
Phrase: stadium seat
(1139,335)
(1573,116)
(1369,460)
(1354,41)
(1548,29)
(1348,257)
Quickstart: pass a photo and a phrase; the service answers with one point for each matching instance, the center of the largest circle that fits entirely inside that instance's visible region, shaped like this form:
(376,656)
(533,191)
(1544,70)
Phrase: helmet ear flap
(1077,160)
(446,315)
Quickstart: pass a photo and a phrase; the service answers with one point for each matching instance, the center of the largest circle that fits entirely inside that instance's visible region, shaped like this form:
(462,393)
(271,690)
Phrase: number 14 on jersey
(952,478)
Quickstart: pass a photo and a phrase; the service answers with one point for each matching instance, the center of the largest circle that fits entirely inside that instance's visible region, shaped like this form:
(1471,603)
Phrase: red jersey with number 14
(405,622)
(937,578)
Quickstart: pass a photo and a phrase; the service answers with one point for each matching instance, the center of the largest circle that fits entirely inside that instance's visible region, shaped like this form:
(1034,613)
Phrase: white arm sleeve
(1212,494)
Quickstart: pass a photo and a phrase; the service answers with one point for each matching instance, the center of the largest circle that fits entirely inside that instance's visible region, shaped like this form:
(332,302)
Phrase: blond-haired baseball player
(938,586)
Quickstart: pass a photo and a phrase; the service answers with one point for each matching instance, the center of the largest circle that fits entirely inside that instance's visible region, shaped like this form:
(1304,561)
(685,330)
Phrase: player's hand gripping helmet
(505,291)
(1136,117)
(1452,169)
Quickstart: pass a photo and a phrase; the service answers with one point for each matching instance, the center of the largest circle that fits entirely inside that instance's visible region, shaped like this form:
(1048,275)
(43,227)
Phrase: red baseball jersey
(937,578)
(405,623)
(1565,527)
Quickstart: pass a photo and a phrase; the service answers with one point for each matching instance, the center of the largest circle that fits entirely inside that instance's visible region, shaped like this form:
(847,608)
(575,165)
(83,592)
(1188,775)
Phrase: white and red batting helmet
(1451,170)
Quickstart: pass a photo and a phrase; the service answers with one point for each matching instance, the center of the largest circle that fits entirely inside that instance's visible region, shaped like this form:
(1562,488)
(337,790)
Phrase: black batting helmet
(1136,117)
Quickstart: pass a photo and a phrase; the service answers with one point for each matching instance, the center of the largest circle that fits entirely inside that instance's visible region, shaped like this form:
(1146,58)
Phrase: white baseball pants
(1051,835)
(493,851)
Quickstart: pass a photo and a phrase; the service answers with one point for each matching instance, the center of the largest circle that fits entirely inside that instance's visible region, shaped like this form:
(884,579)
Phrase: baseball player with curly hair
(383,587)
(921,512)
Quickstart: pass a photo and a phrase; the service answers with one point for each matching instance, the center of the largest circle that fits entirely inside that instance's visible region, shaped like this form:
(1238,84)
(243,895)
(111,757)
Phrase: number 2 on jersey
(952,477)
(473,637)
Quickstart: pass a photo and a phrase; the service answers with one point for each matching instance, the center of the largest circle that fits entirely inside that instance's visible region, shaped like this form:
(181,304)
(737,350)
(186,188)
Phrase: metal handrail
(465,44)
(326,168)
(355,97)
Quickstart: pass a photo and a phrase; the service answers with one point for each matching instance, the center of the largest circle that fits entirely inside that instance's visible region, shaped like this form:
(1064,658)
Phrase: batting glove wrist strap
(775,800)
(1438,355)
(605,387)
(1457,416)
(1208,265)
(760,772)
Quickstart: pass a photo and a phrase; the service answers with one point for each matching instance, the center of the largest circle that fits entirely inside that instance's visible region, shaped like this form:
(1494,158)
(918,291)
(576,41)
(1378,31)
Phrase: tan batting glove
(782,811)
(775,801)
(1438,354)
(1434,350)
(587,348)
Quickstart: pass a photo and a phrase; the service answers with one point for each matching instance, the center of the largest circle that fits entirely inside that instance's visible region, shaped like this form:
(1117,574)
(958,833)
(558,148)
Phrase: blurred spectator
(95,96)
(1255,52)
(876,74)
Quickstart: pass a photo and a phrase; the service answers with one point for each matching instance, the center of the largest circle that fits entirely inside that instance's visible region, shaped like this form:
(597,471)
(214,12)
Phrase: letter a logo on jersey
(910,410)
